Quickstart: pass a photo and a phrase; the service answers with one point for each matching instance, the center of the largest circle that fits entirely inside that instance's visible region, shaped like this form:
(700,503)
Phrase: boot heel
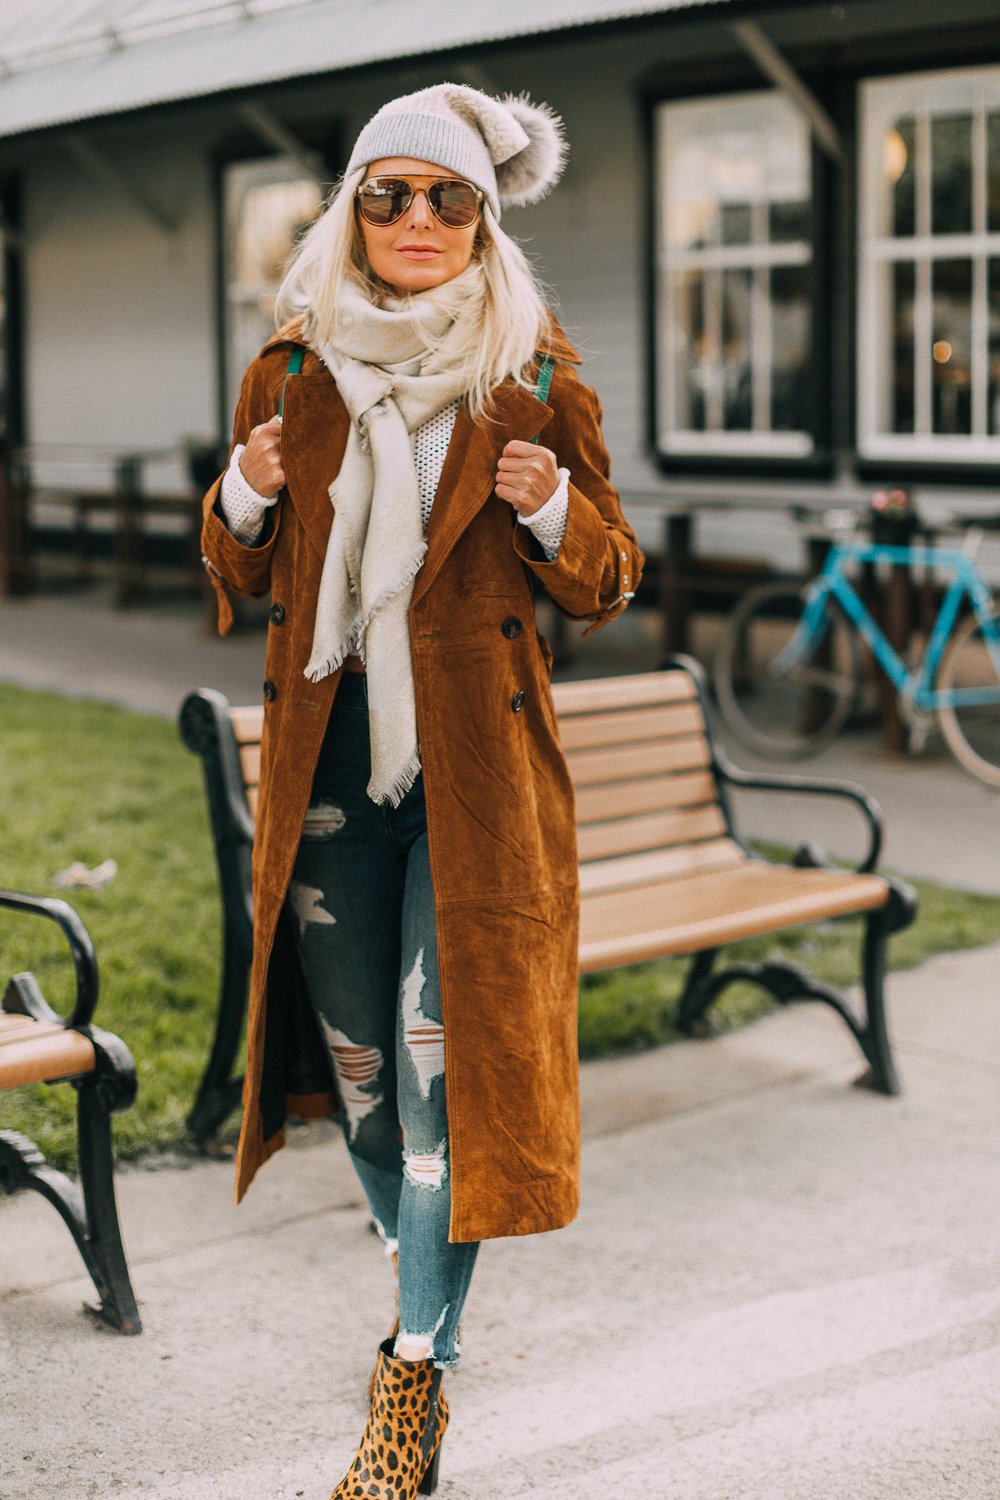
(428,1484)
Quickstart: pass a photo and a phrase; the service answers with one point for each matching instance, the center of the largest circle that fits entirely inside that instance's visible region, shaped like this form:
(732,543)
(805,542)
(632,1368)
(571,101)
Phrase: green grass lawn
(85,781)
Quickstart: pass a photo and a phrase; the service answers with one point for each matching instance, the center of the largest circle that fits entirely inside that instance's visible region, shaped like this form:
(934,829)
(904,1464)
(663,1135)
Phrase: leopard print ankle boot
(401,1447)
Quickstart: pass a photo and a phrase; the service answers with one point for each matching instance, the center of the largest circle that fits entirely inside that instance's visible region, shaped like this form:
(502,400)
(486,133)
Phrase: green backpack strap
(543,382)
(294,366)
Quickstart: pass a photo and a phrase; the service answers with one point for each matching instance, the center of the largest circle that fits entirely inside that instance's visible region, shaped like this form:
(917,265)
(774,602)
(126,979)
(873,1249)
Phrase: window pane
(737,391)
(268,204)
(952,347)
(951,174)
(789,222)
(712,351)
(993,173)
(791,308)
(736,175)
(903,281)
(736,222)
(4,362)
(899,159)
(724,155)
(928,332)
(692,357)
(993,314)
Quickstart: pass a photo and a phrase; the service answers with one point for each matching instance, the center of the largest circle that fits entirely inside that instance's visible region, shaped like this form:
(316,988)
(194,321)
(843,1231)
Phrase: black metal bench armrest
(729,774)
(206,729)
(84,961)
(815,786)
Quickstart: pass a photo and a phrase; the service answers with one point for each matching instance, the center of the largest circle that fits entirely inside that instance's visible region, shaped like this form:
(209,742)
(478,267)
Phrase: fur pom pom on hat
(514,150)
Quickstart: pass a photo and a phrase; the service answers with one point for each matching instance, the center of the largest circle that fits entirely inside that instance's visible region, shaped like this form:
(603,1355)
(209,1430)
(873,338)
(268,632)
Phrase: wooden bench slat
(250,761)
(248,724)
(40,1052)
(588,731)
(12,1028)
(626,799)
(627,762)
(252,799)
(709,910)
(659,864)
(621,692)
(663,830)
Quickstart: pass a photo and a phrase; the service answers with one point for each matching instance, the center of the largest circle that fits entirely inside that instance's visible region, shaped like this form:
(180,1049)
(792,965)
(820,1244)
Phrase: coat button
(271,692)
(517,702)
(512,628)
(277,614)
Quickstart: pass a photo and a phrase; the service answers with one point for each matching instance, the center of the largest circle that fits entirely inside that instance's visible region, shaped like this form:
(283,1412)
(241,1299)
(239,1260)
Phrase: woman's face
(417,251)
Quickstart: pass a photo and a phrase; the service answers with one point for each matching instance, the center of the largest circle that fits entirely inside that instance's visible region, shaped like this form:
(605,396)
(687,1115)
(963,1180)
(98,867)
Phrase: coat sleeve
(230,564)
(599,563)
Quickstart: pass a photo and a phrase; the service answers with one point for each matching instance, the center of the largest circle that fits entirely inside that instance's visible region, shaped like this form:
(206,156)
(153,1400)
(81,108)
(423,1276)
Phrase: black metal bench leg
(789,982)
(218,1092)
(22,1166)
(118,1305)
(878,1049)
(696,996)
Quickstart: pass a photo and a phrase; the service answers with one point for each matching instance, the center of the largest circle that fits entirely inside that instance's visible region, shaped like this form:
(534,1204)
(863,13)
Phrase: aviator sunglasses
(383,200)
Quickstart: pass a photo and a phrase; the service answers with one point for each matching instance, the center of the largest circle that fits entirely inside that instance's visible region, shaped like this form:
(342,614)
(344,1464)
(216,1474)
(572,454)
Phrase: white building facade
(786,284)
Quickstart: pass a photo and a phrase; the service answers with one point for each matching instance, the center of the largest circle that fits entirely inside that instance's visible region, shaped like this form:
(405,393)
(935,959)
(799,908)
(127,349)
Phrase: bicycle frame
(916,686)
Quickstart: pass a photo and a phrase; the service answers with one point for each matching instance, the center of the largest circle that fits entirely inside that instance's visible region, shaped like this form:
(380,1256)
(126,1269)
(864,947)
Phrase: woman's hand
(260,461)
(527,476)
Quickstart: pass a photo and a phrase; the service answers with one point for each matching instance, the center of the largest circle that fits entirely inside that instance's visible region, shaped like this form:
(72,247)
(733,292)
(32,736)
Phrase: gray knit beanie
(514,150)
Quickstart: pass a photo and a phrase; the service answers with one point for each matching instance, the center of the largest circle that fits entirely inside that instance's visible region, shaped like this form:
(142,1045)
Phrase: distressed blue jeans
(362,904)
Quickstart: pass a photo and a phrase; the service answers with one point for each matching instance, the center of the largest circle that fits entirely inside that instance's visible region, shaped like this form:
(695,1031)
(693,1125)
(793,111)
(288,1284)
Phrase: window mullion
(979,360)
(923,325)
(923,176)
(712,361)
(979,168)
(980,352)
(761,349)
(923,310)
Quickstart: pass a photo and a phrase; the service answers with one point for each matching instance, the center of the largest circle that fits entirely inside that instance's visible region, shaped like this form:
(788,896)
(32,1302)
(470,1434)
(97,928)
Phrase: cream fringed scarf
(395,367)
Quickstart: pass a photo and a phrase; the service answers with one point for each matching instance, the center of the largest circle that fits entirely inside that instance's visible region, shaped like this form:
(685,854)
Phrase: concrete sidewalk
(779,1288)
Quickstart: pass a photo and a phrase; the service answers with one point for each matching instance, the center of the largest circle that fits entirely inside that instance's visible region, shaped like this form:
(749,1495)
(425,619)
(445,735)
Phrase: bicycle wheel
(783,710)
(971,731)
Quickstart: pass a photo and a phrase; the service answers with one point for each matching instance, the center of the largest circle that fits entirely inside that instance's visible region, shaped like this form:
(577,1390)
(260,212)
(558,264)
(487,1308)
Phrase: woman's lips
(419,252)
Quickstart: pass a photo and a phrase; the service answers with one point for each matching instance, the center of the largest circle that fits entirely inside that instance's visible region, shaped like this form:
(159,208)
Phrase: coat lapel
(313,406)
(313,438)
(470,470)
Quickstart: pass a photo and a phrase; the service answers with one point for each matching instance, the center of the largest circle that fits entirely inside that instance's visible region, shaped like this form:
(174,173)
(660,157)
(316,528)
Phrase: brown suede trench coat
(500,808)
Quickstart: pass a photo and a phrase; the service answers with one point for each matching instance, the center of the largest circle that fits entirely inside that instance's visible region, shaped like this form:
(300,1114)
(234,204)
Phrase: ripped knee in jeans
(427,1169)
(323,820)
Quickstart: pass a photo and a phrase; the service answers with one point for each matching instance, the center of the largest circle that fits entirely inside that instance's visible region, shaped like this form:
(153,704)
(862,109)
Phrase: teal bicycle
(789,663)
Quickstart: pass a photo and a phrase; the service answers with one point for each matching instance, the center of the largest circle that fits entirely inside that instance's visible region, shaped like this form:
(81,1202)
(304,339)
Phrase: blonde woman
(412,451)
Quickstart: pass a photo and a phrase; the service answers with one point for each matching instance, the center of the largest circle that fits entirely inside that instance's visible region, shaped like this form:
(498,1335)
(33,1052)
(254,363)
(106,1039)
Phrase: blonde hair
(501,344)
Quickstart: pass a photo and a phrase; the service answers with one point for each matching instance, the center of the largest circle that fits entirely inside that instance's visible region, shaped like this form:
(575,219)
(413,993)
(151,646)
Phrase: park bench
(663,871)
(38,1046)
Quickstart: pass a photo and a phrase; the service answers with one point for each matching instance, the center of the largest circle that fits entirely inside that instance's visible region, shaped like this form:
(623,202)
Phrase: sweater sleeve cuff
(243,508)
(548,523)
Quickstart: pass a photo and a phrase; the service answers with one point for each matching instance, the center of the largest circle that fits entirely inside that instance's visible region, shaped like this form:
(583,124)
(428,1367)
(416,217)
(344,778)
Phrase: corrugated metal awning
(155,52)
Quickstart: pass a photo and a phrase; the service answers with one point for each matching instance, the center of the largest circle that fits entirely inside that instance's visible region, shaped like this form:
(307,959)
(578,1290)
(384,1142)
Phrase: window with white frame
(267,204)
(929,274)
(734,277)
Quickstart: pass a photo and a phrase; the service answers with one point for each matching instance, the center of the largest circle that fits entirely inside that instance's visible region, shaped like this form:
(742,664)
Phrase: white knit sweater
(244,509)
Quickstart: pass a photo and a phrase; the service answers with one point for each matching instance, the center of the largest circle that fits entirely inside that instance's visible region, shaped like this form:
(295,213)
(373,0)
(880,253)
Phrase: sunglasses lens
(455,203)
(383,200)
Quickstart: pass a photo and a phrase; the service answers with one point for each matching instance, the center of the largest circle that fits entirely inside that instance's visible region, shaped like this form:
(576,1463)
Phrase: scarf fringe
(401,782)
(352,645)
